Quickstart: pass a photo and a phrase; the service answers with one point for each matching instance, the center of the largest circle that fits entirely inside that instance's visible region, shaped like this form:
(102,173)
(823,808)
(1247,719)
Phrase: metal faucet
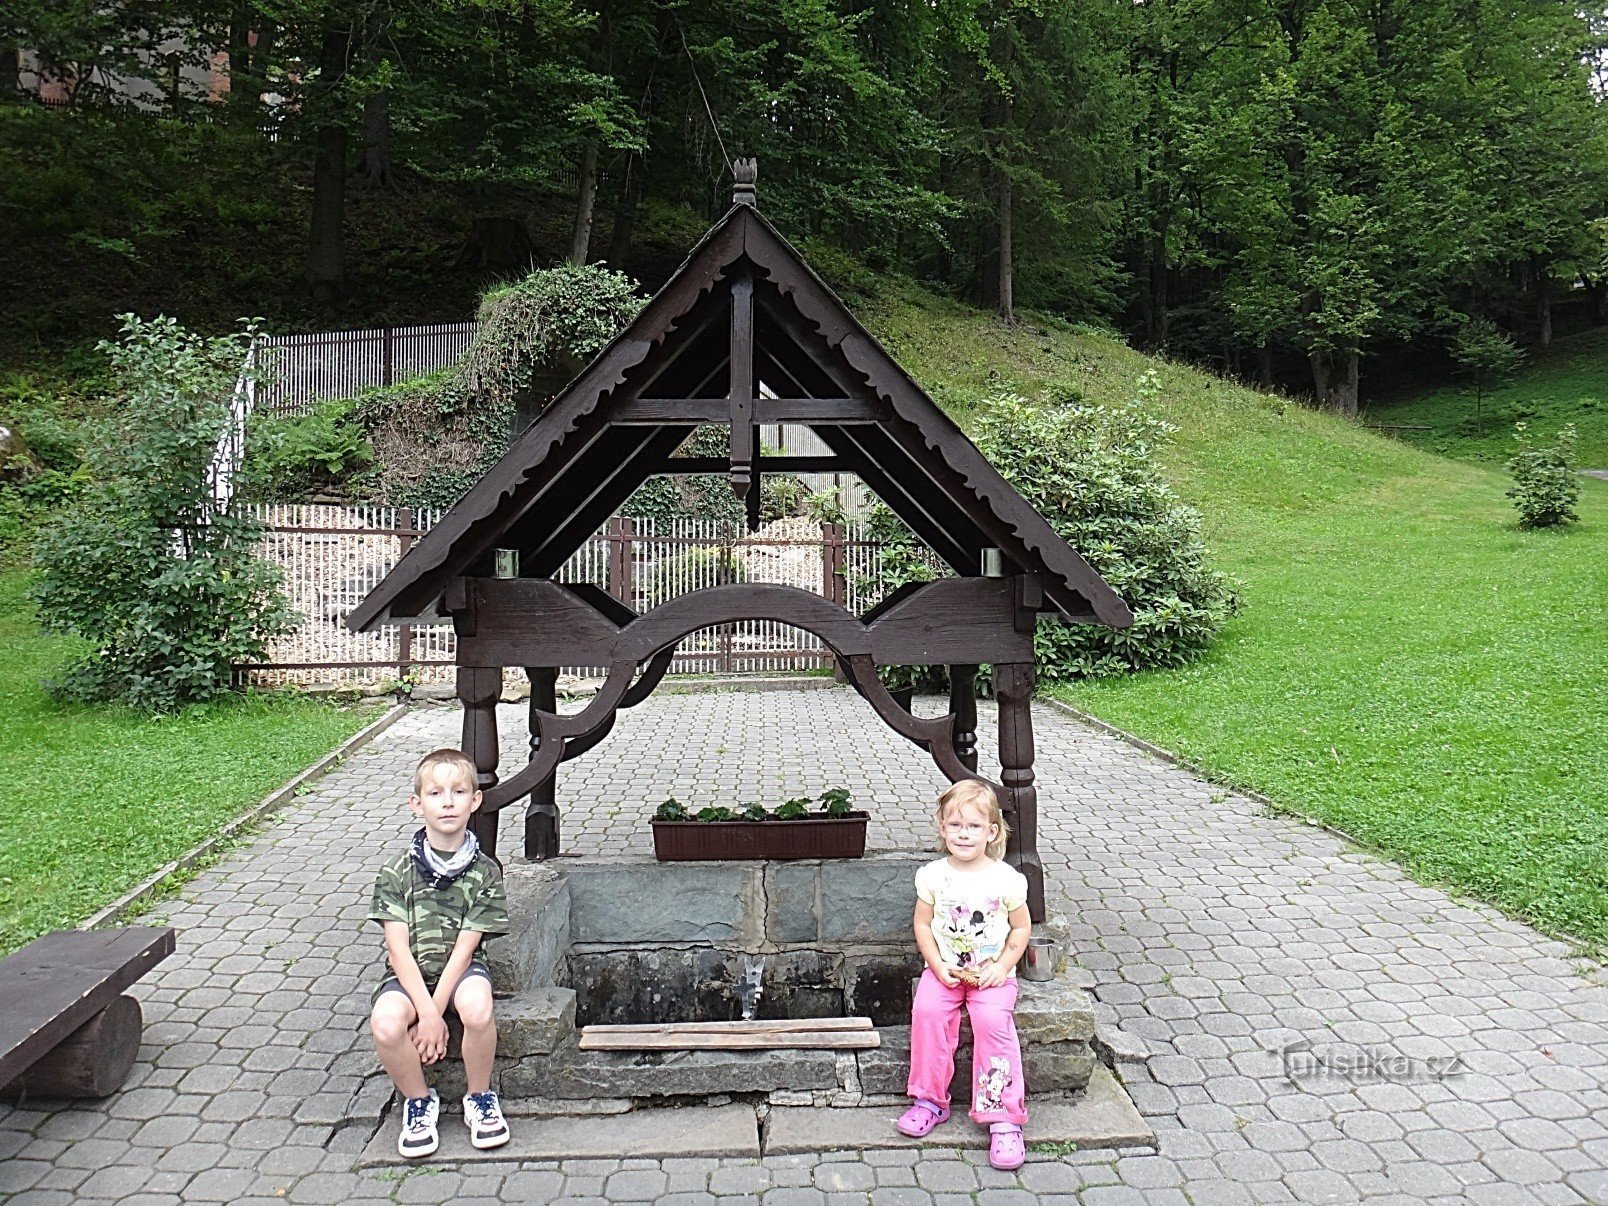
(752,984)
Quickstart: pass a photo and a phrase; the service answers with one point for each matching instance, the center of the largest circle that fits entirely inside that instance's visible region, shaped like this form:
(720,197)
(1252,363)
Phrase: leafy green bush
(562,316)
(826,506)
(40,414)
(781,495)
(292,457)
(165,587)
(26,504)
(836,801)
(1090,471)
(671,810)
(1545,489)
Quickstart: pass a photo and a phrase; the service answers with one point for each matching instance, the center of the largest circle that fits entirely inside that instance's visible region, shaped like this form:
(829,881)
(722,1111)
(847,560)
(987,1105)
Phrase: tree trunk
(1160,326)
(1346,388)
(1264,366)
(1598,297)
(625,212)
(581,235)
(239,58)
(1336,377)
(1005,304)
(250,52)
(377,170)
(1543,301)
(326,244)
(497,241)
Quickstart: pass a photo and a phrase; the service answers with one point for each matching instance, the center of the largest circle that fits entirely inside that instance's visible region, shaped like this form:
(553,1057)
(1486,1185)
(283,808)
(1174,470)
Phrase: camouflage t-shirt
(434,916)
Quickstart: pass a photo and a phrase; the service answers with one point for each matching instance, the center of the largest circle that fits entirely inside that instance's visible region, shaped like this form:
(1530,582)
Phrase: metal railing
(307,369)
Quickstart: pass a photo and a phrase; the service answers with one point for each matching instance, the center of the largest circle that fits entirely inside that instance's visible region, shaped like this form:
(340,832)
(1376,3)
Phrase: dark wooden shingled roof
(589,449)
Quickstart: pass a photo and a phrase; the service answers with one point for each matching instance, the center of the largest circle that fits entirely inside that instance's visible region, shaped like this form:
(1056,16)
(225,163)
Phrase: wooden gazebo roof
(743,297)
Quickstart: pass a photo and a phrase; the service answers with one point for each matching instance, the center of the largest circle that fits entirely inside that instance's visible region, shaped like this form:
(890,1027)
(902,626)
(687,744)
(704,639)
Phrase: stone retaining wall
(634,940)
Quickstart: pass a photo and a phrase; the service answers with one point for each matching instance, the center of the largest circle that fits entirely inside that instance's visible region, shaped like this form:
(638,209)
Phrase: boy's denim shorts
(475,968)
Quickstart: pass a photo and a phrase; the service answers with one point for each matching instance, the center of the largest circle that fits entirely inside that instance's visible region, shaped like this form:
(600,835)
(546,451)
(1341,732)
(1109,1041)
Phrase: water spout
(752,984)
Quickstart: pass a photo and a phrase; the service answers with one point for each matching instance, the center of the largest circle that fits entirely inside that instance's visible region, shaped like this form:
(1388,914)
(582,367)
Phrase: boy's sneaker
(419,1135)
(483,1115)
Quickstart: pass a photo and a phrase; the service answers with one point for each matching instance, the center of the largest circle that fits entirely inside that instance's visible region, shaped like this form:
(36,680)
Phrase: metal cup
(1038,960)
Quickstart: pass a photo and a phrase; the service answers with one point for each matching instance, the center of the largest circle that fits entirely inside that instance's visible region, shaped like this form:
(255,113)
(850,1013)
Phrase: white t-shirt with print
(971,909)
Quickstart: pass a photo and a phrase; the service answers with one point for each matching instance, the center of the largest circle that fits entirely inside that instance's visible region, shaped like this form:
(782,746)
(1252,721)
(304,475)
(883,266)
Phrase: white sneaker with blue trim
(482,1114)
(419,1135)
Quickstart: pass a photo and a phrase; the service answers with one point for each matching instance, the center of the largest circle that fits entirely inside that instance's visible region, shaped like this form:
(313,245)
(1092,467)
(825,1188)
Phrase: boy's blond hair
(981,797)
(446,756)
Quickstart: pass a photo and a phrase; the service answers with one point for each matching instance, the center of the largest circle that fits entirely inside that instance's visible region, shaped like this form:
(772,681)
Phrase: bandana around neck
(438,872)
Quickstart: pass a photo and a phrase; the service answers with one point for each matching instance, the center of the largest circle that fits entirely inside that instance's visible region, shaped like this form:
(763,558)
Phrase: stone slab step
(1102,1116)
(730,1130)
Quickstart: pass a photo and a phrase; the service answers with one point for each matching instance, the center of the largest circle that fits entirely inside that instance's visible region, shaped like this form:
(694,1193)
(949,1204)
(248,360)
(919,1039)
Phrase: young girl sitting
(972,925)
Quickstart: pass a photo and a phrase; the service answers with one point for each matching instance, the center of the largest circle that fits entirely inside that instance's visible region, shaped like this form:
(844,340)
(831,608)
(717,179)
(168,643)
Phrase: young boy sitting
(437,900)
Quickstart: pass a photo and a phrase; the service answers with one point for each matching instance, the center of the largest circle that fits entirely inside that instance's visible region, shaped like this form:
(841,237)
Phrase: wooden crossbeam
(837,1034)
(757,1026)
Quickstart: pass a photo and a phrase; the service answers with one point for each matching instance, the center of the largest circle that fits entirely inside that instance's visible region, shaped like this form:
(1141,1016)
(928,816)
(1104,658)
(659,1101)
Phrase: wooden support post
(740,396)
(753,503)
(834,580)
(479,688)
(622,533)
(1013,688)
(963,703)
(541,815)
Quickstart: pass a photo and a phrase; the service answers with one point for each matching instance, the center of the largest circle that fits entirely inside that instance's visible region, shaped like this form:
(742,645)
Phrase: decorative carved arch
(650,640)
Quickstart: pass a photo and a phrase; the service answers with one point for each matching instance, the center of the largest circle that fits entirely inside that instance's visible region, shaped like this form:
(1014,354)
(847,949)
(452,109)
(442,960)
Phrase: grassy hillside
(102,796)
(1565,383)
(1410,666)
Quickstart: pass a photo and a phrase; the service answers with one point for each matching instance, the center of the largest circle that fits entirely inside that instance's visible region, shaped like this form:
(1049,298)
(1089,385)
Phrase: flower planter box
(711,841)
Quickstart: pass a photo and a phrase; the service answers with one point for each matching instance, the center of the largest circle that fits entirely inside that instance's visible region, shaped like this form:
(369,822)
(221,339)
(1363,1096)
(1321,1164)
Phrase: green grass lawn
(1410,666)
(101,797)
(1565,383)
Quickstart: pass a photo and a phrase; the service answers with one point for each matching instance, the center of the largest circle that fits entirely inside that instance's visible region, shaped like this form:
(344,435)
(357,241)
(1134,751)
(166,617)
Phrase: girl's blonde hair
(981,797)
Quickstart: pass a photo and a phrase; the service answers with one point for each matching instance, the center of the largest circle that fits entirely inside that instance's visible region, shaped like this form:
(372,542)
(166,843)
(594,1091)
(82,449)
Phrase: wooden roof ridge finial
(745,172)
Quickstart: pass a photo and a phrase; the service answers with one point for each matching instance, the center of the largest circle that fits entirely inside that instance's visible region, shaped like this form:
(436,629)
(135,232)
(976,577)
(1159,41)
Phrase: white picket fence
(332,556)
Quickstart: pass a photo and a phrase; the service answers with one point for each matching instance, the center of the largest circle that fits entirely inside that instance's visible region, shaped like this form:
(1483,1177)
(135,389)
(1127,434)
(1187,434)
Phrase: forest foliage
(1282,187)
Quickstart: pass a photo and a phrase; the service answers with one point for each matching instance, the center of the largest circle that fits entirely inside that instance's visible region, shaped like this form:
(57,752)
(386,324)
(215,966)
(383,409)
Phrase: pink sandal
(1006,1150)
(919,1119)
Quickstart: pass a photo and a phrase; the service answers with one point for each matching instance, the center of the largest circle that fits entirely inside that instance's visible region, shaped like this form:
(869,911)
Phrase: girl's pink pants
(997,1092)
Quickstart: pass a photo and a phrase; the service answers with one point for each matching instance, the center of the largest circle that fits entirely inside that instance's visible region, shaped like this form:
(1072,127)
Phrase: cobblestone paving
(1214,932)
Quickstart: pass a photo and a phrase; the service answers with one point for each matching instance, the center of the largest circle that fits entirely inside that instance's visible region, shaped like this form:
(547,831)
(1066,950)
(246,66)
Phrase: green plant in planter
(754,812)
(836,802)
(716,812)
(671,810)
(794,810)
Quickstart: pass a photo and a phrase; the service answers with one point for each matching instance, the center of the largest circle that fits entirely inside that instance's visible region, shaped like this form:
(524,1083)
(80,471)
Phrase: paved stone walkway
(1214,932)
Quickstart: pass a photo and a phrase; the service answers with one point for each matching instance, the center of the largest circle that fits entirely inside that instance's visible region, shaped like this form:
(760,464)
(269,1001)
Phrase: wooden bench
(66,1029)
